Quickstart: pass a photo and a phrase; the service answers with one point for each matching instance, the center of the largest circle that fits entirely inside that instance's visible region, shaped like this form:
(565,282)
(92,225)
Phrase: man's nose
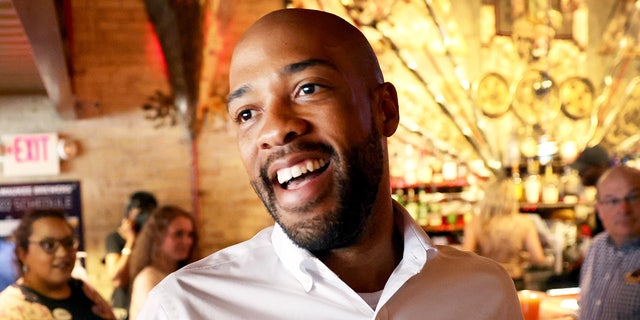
(281,125)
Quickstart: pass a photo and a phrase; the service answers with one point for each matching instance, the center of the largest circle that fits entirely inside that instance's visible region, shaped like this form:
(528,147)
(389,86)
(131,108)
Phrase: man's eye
(309,89)
(614,202)
(244,116)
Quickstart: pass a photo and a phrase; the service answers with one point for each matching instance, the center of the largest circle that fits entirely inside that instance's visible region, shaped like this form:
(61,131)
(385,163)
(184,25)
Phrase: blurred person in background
(501,233)
(46,254)
(119,244)
(8,271)
(165,244)
(610,275)
(591,164)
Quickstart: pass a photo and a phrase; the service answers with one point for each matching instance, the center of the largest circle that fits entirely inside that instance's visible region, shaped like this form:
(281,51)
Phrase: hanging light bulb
(529,147)
(568,151)
(547,148)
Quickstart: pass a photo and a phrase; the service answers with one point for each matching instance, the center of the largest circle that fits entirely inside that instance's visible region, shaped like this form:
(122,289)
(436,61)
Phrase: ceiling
(32,52)
(434,51)
(17,64)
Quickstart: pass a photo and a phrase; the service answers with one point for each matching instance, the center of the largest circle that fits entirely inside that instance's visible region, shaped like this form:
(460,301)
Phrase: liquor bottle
(571,183)
(412,203)
(399,195)
(423,207)
(532,183)
(435,216)
(550,186)
(517,182)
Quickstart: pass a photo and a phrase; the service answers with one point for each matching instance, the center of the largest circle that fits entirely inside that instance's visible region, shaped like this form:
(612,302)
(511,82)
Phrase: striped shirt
(610,280)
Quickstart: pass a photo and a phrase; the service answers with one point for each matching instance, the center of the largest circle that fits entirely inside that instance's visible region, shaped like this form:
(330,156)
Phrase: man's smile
(300,170)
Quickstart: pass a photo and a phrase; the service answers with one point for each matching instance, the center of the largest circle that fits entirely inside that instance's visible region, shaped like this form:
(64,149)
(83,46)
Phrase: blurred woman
(46,254)
(501,233)
(165,244)
(120,242)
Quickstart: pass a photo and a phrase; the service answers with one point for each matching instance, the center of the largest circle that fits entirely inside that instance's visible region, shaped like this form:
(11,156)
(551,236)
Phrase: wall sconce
(67,149)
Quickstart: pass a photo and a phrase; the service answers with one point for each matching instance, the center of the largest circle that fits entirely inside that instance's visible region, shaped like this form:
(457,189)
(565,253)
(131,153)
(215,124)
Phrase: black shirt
(77,304)
(120,297)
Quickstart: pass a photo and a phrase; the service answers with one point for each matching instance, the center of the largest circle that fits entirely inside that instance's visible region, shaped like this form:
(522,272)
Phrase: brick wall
(115,68)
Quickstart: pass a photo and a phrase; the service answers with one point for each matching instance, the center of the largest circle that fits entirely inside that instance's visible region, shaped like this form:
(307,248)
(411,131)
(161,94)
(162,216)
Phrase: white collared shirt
(269,277)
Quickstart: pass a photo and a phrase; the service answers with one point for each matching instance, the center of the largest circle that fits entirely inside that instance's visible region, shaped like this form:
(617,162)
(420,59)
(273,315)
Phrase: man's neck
(367,265)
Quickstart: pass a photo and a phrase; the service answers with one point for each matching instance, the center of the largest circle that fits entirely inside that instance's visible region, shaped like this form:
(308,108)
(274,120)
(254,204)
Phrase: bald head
(623,173)
(619,203)
(307,95)
(318,34)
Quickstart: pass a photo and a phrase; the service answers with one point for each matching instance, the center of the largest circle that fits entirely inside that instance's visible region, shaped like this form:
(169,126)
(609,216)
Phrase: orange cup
(530,304)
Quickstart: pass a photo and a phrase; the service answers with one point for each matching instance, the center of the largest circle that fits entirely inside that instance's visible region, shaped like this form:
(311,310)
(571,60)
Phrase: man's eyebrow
(299,66)
(237,94)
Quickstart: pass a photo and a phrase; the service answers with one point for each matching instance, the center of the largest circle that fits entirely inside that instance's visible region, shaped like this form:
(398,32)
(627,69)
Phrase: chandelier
(492,83)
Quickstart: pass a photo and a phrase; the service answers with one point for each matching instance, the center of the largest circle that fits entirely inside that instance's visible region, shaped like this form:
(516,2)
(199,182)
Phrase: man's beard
(357,178)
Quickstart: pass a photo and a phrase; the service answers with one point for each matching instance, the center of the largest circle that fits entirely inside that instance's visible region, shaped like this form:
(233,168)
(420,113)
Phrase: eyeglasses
(628,199)
(51,245)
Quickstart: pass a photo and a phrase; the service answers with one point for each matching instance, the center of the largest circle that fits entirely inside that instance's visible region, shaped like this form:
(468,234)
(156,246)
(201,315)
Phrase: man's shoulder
(214,276)
(600,238)
(456,273)
(465,262)
(238,256)
(452,253)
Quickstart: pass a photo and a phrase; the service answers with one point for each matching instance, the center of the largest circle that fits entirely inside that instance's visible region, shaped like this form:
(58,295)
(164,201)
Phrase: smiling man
(313,115)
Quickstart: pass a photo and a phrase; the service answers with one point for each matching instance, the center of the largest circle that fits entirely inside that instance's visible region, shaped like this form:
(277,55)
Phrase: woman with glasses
(164,245)
(46,253)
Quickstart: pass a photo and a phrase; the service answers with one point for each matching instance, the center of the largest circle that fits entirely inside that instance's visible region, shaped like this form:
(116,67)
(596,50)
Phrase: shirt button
(607,276)
(598,302)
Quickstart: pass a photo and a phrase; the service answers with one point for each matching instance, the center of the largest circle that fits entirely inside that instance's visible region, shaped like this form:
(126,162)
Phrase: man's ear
(388,107)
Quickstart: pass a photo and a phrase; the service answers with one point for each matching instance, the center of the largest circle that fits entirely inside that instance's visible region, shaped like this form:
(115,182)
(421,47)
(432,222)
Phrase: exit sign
(30,154)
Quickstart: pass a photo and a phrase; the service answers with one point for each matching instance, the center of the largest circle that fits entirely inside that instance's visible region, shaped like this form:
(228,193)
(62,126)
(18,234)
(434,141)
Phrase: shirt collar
(629,245)
(418,248)
(295,259)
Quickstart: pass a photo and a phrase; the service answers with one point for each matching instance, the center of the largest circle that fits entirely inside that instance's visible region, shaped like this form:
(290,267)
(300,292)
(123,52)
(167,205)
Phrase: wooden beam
(178,25)
(40,22)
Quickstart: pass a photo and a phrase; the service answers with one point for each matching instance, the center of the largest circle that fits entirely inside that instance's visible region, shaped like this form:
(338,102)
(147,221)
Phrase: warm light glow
(568,151)
(67,149)
(546,150)
(529,147)
(449,170)
(153,49)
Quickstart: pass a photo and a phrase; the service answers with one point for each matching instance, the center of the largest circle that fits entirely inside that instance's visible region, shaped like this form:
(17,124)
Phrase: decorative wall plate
(577,95)
(535,97)
(492,94)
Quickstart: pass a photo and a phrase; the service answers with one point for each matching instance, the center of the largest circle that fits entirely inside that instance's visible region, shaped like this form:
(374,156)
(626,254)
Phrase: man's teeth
(299,169)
